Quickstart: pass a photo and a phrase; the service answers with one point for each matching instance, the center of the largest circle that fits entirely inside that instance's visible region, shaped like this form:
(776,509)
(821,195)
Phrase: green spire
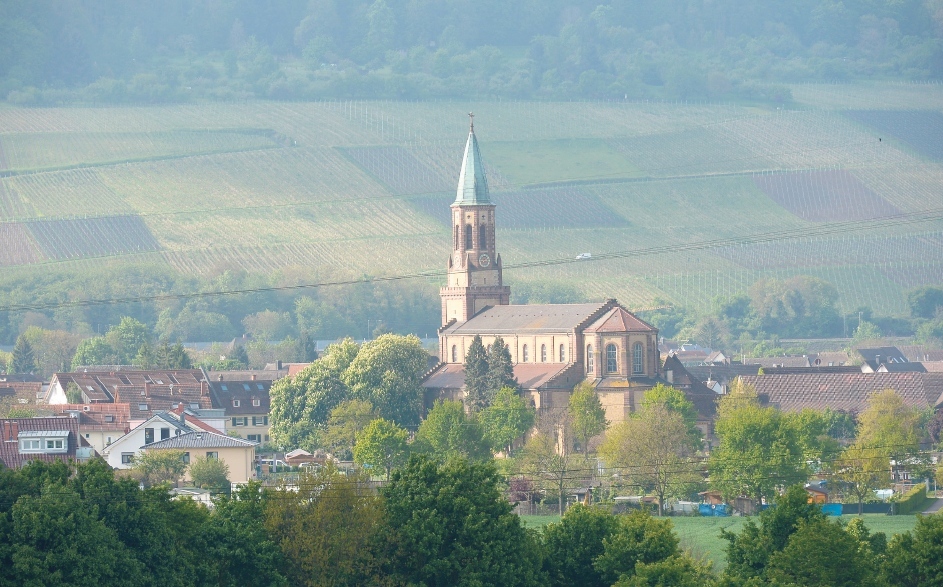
(472,184)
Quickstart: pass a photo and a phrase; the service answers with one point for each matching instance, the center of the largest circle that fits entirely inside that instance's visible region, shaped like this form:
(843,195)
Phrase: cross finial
(471,121)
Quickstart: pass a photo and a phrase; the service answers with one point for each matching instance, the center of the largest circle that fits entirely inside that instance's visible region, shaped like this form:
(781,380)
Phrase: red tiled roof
(193,421)
(9,443)
(620,320)
(845,391)
(94,416)
(528,375)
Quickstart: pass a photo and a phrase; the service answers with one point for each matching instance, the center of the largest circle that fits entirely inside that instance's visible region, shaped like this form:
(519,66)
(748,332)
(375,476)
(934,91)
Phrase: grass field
(262,186)
(701,536)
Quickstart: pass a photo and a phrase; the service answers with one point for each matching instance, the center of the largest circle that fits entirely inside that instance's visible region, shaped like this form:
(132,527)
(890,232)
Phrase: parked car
(582,256)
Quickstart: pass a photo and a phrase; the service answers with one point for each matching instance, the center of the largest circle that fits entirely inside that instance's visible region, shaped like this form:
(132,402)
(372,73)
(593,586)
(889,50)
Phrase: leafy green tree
(822,553)
(447,433)
(327,529)
(925,301)
(126,338)
(24,360)
(679,570)
(758,450)
(209,473)
(860,470)
(477,376)
(749,552)
(637,538)
(73,393)
(915,558)
(239,546)
(574,543)
(449,525)
(146,357)
(345,423)
(174,357)
(153,467)
(587,417)
(94,351)
(382,445)
(507,418)
(387,373)
(500,368)
(889,425)
(675,400)
(555,472)
(240,356)
(655,451)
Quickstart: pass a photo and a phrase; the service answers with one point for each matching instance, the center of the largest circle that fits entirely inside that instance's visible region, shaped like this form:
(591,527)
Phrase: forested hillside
(137,51)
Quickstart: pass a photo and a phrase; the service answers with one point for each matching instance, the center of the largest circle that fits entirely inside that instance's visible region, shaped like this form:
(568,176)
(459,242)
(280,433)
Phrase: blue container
(832,509)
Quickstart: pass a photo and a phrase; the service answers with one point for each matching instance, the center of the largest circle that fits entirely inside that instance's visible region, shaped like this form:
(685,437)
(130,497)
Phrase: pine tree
(23,359)
(477,376)
(500,368)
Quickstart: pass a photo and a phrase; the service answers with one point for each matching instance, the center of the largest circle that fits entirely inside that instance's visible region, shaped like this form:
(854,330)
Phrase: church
(553,347)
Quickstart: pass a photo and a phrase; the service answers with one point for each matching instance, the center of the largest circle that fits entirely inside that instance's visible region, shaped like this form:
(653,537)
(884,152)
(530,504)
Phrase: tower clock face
(484,260)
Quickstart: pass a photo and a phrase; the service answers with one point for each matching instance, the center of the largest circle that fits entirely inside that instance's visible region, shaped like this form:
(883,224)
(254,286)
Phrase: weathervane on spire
(471,121)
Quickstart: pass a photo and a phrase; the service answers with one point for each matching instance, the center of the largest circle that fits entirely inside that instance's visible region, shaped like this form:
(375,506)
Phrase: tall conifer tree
(477,380)
(23,359)
(500,368)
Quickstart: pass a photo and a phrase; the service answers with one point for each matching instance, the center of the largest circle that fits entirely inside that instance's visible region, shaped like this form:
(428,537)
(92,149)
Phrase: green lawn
(524,162)
(701,536)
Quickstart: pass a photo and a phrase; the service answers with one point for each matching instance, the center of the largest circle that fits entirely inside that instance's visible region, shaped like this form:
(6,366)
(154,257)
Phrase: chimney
(117,395)
(183,418)
(146,389)
(14,429)
(278,365)
(877,360)
(253,376)
(219,377)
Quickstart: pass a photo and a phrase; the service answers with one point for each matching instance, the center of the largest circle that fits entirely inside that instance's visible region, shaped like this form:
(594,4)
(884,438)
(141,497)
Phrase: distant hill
(363,188)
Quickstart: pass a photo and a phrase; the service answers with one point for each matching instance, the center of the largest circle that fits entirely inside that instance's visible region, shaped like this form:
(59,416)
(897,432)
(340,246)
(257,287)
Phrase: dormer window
(53,444)
(256,402)
(30,445)
(223,387)
(235,403)
(109,418)
(142,407)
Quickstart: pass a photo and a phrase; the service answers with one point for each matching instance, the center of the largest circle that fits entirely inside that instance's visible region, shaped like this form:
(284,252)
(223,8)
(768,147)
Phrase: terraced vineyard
(363,188)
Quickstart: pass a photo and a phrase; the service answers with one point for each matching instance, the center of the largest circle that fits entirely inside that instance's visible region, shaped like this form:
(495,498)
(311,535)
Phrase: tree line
(202,49)
(434,523)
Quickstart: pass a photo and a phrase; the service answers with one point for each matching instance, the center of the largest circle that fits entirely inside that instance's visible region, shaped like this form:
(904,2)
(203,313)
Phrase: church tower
(474,271)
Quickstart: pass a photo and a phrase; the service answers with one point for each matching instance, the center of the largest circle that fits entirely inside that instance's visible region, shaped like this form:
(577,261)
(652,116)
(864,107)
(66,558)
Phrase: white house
(161,426)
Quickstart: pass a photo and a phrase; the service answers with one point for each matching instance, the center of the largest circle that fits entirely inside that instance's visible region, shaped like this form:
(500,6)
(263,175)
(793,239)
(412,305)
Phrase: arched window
(637,359)
(482,238)
(454,354)
(543,353)
(455,236)
(612,361)
(468,236)
(589,358)
(525,356)
(562,354)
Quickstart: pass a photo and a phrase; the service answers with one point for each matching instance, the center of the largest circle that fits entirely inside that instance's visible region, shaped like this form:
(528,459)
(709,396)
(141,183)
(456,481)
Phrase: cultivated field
(363,188)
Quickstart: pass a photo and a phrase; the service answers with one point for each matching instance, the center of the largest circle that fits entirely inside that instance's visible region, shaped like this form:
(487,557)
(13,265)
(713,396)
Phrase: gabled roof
(846,391)
(98,417)
(529,319)
(201,440)
(22,392)
(885,354)
(472,183)
(902,368)
(225,394)
(777,361)
(528,375)
(618,319)
(10,429)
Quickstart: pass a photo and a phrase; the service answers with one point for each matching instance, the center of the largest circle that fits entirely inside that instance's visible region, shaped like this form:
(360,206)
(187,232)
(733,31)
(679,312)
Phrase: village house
(99,424)
(244,397)
(238,454)
(161,426)
(41,439)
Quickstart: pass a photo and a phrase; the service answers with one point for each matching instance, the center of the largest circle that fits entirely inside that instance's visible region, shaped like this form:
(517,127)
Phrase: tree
(73,393)
(587,417)
(345,423)
(757,450)
(915,558)
(382,445)
(636,539)
(240,356)
(821,552)
(23,359)
(656,452)
(327,528)
(447,433)
(449,525)
(861,470)
(574,543)
(126,338)
(749,552)
(925,301)
(507,418)
(500,367)
(556,472)
(888,424)
(93,351)
(477,376)
(175,357)
(146,357)
(387,373)
(153,467)
(675,400)
(210,473)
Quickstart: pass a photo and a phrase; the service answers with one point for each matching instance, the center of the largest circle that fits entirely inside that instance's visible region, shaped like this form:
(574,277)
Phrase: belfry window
(525,354)
(482,237)
(589,358)
(455,236)
(562,354)
(469,233)
(543,353)
(612,360)
(637,359)
(454,354)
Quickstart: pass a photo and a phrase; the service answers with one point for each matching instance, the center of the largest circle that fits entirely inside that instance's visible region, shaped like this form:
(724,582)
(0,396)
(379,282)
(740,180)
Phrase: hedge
(913,501)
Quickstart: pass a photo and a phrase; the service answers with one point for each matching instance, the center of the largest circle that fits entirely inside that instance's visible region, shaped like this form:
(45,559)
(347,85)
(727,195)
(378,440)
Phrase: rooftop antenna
(471,122)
